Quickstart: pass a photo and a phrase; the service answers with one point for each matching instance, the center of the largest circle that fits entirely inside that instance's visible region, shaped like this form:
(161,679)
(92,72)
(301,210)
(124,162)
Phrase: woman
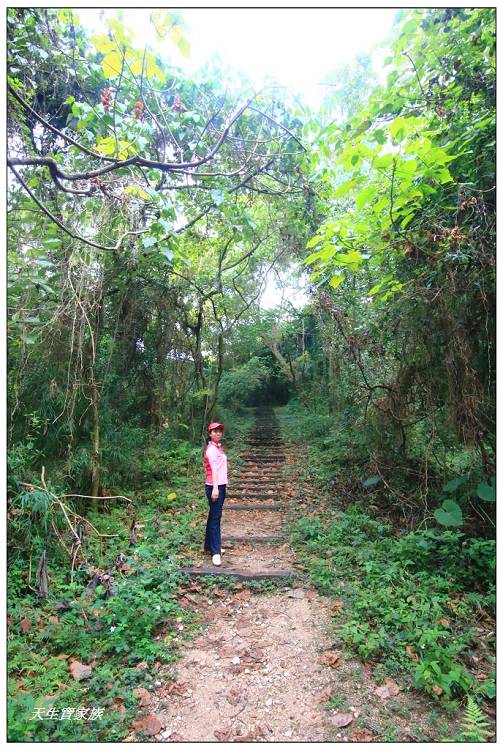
(215,485)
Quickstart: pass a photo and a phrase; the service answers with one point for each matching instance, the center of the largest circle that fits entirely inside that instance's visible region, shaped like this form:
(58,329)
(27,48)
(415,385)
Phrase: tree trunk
(94,393)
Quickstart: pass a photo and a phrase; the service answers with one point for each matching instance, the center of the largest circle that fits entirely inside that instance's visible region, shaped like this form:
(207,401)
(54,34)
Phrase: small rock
(167,734)
(296,593)
(342,720)
(236,660)
(268,702)
(288,733)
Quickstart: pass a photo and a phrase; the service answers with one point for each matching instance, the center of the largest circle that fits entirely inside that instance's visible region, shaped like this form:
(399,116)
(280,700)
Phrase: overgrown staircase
(253,514)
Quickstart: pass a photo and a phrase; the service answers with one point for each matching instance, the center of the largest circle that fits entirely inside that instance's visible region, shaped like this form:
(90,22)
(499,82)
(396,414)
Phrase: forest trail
(257,671)
(267,666)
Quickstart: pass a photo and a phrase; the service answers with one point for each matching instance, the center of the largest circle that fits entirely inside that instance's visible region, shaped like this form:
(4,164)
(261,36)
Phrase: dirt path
(265,667)
(254,673)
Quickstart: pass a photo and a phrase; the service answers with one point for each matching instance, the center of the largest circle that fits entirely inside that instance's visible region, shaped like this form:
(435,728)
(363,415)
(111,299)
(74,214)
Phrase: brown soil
(264,668)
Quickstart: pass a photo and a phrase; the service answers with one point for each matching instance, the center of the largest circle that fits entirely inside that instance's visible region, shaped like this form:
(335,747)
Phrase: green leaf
(371,481)
(168,254)
(352,260)
(336,280)
(148,241)
(344,188)
(486,491)
(313,241)
(383,162)
(453,484)
(449,514)
(365,196)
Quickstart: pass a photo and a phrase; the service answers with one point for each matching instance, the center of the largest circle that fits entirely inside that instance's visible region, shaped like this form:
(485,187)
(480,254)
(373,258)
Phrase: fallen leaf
(53,618)
(144,696)
(481,677)
(148,724)
(329,658)
(444,622)
(252,735)
(411,653)
(162,719)
(141,665)
(80,671)
(336,607)
(361,735)
(62,657)
(223,735)
(437,690)
(119,705)
(234,696)
(25,625)
(243,596)
(388,689)
(342,720)
(325,695)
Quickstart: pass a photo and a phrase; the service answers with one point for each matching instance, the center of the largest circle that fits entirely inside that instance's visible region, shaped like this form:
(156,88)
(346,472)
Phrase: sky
(297,47)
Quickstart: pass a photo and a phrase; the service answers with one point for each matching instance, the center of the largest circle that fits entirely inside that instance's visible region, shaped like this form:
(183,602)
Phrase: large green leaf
(486,491)
(453,484)
(365,196)
(449,514)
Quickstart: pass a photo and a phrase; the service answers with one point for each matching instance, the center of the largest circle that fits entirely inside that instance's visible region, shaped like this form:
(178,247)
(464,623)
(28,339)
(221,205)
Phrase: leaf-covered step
(236,573)
(249,539)
(254,506)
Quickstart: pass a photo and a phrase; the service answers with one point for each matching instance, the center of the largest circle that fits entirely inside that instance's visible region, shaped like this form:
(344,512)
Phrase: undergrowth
(420,603)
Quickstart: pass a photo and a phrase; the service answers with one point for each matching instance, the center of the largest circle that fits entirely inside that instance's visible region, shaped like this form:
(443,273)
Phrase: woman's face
(216,435)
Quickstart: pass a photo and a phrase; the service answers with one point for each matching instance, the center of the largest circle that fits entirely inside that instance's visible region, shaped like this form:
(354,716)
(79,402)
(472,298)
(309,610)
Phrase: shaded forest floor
(267,664)
(242,657)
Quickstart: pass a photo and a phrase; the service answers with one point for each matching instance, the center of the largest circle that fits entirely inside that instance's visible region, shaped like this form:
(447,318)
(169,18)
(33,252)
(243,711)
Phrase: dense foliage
(148,211)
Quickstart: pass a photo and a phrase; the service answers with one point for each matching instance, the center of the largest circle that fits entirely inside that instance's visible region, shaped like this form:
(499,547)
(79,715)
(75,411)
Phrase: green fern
(474,723)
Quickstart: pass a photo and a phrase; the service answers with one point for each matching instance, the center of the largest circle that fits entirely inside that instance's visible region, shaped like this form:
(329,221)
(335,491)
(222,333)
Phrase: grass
(413,603)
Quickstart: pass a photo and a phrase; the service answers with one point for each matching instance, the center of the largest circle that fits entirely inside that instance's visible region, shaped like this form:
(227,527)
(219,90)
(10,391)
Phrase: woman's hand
(214,494)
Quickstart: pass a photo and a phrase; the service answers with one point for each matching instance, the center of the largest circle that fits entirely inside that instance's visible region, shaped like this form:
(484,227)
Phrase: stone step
(264,459)
(247,539)
(250,506)
(251,495)
(269,443)
(251,484)
(259,477)
(235,573)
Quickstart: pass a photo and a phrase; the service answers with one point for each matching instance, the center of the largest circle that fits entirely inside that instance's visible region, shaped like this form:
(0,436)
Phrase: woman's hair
(207,440)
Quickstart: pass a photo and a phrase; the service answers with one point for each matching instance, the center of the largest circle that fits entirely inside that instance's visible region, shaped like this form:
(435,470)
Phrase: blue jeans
(212,540)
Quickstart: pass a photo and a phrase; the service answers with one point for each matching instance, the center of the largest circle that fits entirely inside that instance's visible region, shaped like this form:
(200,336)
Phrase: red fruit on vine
(138,110)
(105,99)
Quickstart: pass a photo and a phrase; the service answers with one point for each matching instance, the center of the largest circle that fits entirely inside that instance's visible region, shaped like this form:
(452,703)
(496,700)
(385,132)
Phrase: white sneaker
(216,560)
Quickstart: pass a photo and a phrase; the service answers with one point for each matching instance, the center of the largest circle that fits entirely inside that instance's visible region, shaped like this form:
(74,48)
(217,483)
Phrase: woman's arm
(211,454)
(214,478)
